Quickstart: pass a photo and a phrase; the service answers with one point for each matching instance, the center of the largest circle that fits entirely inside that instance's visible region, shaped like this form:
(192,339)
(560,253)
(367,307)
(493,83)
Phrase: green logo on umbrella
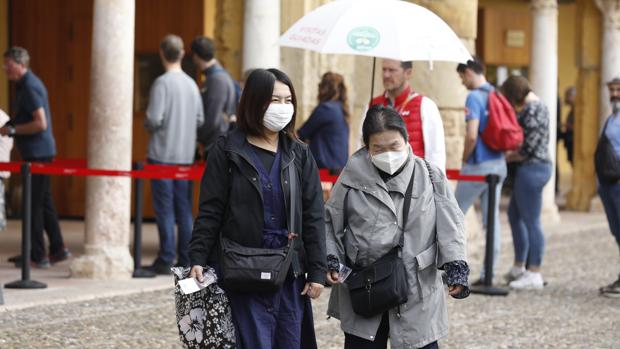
(363,38)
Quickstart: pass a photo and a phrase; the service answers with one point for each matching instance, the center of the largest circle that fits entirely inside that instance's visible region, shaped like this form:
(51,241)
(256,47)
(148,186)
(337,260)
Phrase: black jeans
(381,338)
(44,216)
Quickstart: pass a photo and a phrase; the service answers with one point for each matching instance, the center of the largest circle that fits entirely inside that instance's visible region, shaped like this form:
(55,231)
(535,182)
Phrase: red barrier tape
(77,167)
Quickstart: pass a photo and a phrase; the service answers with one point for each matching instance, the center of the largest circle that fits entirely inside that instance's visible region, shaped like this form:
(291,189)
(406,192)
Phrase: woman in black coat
(245,196)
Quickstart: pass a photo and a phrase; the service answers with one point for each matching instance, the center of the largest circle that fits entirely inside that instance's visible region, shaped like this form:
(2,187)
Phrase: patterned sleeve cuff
(457,273)
(333,264)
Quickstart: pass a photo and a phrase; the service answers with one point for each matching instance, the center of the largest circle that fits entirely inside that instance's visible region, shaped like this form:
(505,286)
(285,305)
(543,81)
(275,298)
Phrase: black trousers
(381,338)
(44,216)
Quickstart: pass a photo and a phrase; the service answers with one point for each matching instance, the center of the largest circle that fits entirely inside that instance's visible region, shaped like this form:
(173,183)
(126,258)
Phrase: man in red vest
(420,113)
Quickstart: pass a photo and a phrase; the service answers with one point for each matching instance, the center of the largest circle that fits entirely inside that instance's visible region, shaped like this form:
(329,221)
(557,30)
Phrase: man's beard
(615,104)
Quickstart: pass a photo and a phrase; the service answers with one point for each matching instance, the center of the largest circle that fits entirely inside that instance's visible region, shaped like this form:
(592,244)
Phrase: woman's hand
(455,289)
(333,277)
(196,273)
(312,289)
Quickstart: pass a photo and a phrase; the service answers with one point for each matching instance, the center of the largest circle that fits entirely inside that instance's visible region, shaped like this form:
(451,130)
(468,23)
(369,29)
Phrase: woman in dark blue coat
(327,129)
(245,196)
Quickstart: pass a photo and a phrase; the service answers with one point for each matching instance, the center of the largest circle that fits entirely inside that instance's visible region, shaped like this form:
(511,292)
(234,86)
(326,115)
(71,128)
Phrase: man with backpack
(479,158)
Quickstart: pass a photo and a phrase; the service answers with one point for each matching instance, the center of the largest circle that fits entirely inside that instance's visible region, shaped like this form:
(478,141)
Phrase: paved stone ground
(568,313)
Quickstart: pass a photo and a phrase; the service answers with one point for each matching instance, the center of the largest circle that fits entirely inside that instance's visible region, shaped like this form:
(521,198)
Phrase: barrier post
(25,282)
(138,271)
(487,288)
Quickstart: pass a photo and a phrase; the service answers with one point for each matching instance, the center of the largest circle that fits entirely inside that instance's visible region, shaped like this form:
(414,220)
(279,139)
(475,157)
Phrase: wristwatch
(11,131)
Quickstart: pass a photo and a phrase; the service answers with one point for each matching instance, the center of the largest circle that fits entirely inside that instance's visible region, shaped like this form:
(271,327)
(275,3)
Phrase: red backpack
(503,131)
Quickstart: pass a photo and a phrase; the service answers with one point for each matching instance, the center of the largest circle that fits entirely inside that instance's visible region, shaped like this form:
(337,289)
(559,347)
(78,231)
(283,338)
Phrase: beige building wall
(4,44)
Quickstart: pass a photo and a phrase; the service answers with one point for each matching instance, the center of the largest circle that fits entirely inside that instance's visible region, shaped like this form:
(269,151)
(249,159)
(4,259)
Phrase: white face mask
(390,161)
(277,116)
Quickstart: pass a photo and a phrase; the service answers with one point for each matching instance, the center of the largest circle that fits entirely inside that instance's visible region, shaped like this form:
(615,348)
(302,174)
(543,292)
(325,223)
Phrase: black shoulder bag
(250,269)
(382,285)
(606,160)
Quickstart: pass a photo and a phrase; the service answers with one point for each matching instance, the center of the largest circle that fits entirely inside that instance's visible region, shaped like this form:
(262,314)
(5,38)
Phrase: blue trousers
(524,212)
(172,201)
(272,320)
(610,196)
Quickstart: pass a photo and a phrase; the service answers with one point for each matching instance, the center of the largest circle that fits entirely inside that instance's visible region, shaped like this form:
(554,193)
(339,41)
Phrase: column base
(103,263)
(550,214)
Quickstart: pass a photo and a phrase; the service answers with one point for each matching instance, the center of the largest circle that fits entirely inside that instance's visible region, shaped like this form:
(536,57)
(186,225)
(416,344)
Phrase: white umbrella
(391,29)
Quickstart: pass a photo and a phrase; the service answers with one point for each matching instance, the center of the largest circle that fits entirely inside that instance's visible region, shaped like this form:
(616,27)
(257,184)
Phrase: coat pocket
(427,275)
(350,249)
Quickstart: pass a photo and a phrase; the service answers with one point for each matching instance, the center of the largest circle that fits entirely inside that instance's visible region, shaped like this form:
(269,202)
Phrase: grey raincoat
(434,236)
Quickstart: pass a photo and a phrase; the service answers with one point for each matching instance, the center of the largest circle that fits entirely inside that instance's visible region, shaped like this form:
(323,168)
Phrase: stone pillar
(610,61)
(229,35)
(108,208)
(588,50)
(544,79)
(4,44)
(261,30)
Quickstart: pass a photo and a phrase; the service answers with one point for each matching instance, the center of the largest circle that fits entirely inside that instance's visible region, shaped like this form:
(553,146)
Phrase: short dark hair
(516,89)
(379,119)
(406,65)
(203,47)
(474,65)
(171,48)
(19,55)
(256,98)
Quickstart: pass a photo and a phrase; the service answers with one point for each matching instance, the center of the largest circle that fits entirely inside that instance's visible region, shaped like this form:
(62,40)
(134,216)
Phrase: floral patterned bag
(204,318)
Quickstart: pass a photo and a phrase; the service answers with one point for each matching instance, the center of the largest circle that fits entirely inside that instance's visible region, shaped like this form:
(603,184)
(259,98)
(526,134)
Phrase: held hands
(333,277)
(196,273)
(312,289)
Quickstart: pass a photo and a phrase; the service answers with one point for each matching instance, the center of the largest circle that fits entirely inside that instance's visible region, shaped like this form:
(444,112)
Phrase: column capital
(541,5)
(610,10)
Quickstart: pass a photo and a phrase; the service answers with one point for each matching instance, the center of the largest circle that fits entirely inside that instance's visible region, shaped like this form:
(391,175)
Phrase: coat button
(273,218)
(269,186)
(254,179)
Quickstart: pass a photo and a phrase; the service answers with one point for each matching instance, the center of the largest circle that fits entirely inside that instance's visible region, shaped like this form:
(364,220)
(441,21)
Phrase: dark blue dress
(271,320)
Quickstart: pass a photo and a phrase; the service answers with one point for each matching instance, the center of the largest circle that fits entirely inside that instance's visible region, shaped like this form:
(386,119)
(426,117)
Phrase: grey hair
(19,55)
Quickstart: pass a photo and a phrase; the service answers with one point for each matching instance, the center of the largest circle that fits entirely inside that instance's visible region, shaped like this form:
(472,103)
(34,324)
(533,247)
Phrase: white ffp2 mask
(277,116)
(390,161)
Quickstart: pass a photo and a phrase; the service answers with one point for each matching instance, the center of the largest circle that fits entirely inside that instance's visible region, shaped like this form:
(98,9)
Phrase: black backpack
(606,160)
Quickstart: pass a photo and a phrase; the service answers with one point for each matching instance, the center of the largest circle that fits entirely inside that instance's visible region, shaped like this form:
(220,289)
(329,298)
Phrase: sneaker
(513,274)
(15,259)
(60,256)
(612,290)
(528,281)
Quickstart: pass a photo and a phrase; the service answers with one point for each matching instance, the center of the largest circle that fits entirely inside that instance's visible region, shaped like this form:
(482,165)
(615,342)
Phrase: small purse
(606,160)
(383,284)
(251,269)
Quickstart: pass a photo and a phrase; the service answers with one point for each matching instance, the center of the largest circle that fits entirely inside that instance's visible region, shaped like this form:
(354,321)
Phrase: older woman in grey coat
(376,178)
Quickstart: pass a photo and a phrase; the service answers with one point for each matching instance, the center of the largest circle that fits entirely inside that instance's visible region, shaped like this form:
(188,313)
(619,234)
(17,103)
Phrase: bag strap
(294,241)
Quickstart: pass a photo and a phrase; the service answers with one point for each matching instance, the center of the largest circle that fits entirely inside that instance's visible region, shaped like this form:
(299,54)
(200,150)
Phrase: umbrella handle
(372,84)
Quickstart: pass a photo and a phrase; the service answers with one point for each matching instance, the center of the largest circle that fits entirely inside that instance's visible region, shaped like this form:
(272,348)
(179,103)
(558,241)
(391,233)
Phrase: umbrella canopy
(377,28)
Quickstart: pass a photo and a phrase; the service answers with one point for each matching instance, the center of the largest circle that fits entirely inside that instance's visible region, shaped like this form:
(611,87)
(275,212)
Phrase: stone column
(588,50)
(544,80)
(261,30)
(109,143)
(610,61)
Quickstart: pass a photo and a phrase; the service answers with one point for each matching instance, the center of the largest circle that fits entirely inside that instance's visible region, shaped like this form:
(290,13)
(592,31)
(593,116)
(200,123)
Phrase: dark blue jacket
(328,134)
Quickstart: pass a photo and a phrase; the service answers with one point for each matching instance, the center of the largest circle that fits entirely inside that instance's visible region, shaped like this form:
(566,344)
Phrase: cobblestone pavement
(568,313)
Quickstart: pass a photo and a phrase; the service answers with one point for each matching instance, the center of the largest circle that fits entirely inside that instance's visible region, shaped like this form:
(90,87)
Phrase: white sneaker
(528,281)
(514,274)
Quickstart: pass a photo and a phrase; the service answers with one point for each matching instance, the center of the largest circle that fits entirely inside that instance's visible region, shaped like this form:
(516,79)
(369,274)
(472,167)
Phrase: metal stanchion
(487,288)
(138,271)
(25,282)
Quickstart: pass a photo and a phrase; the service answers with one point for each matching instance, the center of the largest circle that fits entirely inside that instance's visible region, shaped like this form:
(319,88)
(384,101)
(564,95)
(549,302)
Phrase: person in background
(327,129)
(569,126)
(609,190)
(478,158)
(172,118)
(419,112)
(6,144)
(532,174)
(31,127)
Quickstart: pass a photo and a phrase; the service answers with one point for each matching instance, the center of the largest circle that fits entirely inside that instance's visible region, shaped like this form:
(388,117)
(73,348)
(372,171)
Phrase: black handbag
(606,160)
(251,269)
(383,285)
